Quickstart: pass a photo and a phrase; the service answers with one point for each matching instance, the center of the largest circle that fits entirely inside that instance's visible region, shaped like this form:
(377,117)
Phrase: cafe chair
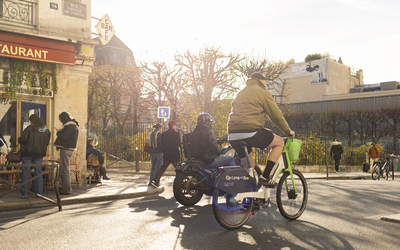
(93,168)
(73,164)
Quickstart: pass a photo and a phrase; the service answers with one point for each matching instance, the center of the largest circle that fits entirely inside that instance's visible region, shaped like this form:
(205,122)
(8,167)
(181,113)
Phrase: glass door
(30,107)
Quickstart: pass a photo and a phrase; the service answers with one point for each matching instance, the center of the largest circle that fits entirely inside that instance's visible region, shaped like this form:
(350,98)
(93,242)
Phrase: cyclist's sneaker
(154,184)
(267,182)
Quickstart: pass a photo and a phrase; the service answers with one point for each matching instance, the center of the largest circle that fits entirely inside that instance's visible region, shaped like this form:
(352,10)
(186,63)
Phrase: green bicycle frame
(288,164)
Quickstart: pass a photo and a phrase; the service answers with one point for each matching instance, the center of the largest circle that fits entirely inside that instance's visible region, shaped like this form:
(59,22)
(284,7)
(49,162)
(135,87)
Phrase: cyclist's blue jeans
(25,173)
(156,162)
(222,160)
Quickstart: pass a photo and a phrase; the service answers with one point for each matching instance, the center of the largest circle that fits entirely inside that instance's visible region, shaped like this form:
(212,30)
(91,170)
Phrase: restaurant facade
(46,56)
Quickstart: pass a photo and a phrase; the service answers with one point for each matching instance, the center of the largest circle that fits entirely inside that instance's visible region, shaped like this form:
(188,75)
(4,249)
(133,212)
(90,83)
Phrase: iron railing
(22,12)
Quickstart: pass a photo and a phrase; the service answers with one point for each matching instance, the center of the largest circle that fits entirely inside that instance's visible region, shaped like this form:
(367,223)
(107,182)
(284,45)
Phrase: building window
(321,77)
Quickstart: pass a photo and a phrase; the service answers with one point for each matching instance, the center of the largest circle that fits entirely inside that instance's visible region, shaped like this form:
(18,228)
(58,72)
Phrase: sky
(364,33)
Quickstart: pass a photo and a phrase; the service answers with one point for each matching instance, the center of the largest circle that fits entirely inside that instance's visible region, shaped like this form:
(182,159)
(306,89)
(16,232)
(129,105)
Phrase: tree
(164,85)
(312,57)
(212,75)
(271,70)
(114,95)
(392,118)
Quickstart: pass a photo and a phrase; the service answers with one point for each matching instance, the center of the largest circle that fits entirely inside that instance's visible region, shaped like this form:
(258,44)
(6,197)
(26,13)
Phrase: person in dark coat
(91,150)
(34,141)
(155,150)
(67,138)
(336,153)
(211,155)
(171,141)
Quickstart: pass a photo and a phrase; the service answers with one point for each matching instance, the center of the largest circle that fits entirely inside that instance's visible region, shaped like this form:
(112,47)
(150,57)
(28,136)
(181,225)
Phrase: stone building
(311,81)
(46,56)
(324,97)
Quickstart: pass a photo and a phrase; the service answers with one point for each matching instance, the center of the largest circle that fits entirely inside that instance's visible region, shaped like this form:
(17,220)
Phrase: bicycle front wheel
(291,204)
(375,172)
(229,212)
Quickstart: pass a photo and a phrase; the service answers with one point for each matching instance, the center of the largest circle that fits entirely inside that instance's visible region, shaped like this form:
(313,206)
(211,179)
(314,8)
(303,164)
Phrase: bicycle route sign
(163,112)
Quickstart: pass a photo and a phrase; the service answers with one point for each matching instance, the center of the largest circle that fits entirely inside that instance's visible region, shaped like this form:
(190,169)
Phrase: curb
(391,218)
(72,201)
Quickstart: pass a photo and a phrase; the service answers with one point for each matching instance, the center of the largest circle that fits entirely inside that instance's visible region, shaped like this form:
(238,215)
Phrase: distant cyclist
(250,109)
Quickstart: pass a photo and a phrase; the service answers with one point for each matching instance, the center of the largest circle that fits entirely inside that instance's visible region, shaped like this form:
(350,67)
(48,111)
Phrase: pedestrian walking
(67,138)
(373,153)
(155,150)
(34,141)
(171,141)
(336,153)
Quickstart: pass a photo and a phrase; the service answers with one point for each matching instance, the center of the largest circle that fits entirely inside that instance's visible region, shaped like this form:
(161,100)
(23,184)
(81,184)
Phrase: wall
(313,80)
(54,24)
(339,78)
(300,89)
(72,81)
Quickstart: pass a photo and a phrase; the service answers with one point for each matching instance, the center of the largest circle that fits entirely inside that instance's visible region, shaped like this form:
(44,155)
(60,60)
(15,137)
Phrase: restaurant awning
(36,49)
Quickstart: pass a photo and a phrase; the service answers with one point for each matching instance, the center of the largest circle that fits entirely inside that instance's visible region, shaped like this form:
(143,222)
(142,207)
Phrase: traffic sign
(105,29)
(163,112)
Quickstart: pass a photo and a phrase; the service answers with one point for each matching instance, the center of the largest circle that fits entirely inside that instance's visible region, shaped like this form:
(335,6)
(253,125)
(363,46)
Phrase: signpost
(105,29)
(163,112)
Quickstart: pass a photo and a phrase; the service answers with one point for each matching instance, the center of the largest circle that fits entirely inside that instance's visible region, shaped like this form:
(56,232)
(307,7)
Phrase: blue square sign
(163,112)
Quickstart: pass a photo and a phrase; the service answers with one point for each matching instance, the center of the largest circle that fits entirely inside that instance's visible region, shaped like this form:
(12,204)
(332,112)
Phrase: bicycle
(382,168)
(237,194)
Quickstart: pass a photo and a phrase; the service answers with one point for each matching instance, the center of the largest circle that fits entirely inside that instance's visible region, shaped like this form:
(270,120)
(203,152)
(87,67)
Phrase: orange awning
(36,48)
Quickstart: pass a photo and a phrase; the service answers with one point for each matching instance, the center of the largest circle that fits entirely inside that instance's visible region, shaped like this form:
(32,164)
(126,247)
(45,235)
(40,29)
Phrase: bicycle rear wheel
(292,205)
(230,213)
(387,173)
(375,172)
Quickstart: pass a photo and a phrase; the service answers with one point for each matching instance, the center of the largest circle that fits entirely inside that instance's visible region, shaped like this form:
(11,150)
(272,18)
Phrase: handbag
(14,157)
(146,148)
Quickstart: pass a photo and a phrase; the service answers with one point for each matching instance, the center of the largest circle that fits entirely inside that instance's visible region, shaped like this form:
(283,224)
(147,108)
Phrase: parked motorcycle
(193,179)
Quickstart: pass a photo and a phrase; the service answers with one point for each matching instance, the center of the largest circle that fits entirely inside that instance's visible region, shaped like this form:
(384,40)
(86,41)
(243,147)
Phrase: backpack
(192,145)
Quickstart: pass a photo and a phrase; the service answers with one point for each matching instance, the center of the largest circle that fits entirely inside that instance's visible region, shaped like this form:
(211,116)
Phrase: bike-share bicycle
(383,167)
(237,194)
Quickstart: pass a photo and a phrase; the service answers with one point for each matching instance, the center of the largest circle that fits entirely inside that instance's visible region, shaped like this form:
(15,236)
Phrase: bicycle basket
(294,150)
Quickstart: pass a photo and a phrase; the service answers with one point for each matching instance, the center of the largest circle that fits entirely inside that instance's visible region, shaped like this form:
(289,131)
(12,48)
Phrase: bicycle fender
(235,180)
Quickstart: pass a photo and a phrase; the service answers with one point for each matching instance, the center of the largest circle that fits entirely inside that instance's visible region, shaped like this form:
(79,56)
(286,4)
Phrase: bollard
(137,156)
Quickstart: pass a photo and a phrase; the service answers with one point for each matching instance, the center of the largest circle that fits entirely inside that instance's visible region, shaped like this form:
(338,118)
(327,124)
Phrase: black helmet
(205,119)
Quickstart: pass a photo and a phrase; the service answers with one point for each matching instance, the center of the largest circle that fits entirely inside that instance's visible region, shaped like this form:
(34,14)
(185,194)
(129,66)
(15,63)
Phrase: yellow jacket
(251,107)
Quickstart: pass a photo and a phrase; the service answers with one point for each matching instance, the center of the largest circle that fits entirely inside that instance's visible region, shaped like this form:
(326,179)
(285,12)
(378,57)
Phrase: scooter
(193,179)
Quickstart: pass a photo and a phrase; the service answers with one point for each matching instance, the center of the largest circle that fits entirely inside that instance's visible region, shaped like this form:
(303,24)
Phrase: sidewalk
(119,187)
(126,183)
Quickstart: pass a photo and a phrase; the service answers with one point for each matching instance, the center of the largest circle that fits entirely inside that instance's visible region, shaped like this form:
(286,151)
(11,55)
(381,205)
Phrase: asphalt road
(341,214)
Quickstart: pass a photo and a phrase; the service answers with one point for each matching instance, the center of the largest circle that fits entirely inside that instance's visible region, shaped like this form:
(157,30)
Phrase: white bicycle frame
(263,192)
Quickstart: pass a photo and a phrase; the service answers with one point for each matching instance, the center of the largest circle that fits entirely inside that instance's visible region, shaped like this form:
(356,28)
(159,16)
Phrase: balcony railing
(21,12)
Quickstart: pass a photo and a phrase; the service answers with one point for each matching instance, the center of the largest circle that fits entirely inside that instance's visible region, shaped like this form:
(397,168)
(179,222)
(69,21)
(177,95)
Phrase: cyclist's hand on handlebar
(292,134)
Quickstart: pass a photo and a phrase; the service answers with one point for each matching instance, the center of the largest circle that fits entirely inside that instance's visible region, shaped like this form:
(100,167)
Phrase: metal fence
(125,143)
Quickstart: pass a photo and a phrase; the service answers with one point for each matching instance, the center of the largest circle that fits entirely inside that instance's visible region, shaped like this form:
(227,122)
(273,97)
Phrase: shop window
(36,82)
(8,122)
(4,73)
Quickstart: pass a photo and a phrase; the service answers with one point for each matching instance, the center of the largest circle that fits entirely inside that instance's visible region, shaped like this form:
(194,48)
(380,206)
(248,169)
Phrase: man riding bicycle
(250,109)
